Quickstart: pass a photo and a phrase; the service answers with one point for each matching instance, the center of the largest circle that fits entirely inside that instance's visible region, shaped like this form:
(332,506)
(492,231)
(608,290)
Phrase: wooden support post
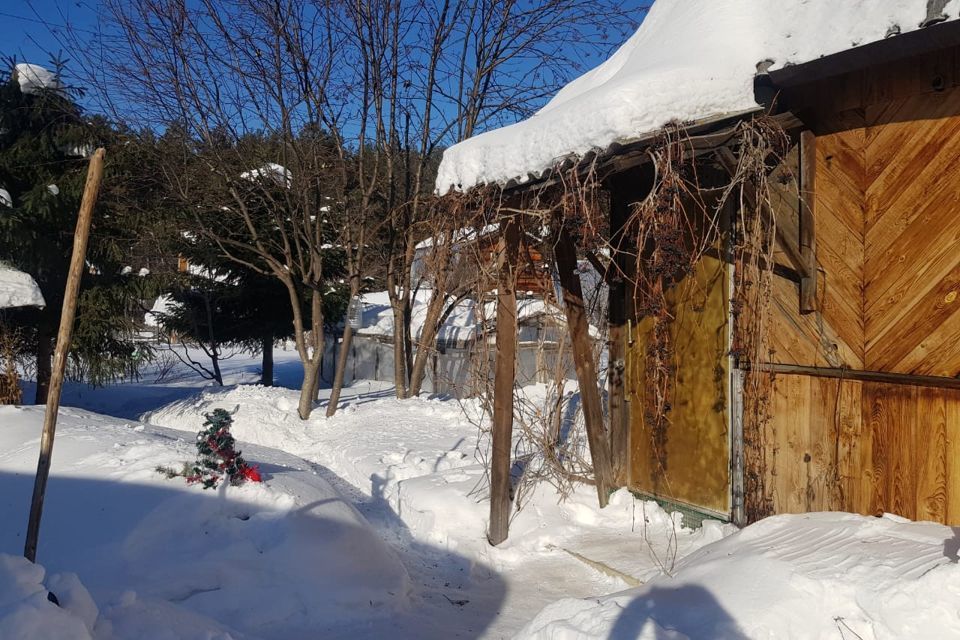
(565,254)
(501,498)
(77,261)
(624,188)
(808,234)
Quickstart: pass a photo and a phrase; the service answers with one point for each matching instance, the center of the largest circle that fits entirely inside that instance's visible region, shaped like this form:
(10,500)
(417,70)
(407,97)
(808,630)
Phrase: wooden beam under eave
(808,232)
(501,494)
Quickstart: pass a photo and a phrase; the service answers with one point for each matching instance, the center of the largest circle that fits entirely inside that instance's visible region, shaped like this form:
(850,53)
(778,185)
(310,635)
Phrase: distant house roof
(18,289)
(690,61)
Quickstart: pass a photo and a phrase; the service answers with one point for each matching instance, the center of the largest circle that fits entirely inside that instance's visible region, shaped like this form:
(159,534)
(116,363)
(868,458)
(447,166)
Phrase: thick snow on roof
(276,172)
(18,289)
(690,60)
(33,78)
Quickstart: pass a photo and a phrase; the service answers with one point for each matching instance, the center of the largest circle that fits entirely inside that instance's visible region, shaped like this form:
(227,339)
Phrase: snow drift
(818,575)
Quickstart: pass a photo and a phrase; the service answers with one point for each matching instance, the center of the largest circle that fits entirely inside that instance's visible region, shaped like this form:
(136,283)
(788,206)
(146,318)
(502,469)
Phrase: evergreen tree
(44,138)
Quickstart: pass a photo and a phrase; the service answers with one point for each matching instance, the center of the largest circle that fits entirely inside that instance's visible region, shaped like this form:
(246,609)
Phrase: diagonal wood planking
(912,239)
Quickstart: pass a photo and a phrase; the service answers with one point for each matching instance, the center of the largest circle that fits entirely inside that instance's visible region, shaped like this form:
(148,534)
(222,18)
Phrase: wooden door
(686,458)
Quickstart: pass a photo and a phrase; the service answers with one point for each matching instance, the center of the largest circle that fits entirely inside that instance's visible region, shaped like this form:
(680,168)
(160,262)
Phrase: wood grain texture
(833,335)
(887,201)
(696,468)
(912,261)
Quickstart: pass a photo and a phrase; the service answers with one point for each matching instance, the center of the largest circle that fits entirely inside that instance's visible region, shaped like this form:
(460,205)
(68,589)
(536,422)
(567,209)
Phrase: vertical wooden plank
(875,409)
(617,331)
(860,475)
(501,498)
(790,409)
(808,235)
(902,427)
(853,448)
(952,457)
(822,444)
(565,254)
(930,451)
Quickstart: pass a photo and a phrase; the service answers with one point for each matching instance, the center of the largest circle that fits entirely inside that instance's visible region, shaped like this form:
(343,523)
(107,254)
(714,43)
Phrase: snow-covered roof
(690,60)
(461,325)
(276,172)
(467,234)
(34,78)
(18,289)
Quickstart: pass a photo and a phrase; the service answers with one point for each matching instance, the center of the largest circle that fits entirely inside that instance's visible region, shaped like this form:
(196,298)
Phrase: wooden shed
(817,369)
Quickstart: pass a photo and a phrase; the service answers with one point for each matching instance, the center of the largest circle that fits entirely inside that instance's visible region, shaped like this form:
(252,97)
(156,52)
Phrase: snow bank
(396,439)
(821,575)
(26,613)
(689,60)
(18,289)
(283,559)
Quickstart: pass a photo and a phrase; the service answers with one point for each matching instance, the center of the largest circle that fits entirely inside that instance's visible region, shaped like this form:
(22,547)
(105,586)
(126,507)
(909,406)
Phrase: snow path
(410,469)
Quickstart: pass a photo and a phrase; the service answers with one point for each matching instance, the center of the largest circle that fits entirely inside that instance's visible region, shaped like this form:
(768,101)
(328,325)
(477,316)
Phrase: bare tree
(454,69)
(244,86)
(351,103)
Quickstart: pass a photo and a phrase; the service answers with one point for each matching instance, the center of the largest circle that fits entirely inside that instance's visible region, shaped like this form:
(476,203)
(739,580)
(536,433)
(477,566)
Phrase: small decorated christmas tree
(217,456)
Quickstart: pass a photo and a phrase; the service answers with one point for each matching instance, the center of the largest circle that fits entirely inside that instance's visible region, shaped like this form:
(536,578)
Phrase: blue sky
(31,30)
(23,33)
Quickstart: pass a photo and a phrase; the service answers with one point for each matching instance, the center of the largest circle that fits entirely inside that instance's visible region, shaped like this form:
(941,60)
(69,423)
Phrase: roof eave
(895,47)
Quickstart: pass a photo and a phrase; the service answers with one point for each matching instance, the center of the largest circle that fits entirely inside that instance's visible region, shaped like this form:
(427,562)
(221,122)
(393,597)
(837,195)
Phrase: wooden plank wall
(888,248)
(865,447)
(696,470)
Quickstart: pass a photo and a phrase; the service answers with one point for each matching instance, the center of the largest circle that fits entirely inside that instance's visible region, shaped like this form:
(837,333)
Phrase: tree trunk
(341,370)
(266,369)
(311,380)
(44,354)
(426,342)
(318,358)
(399,354)
(215,360)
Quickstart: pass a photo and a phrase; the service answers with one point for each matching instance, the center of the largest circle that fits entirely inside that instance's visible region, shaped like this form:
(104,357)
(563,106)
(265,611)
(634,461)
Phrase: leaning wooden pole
(565,254)
(501,501)
(77,261)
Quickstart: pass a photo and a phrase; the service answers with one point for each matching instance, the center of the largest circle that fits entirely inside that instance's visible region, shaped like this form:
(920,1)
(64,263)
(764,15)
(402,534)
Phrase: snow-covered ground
(820,575)
(413,468)
(402,482)
(286,558)
(372,525)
